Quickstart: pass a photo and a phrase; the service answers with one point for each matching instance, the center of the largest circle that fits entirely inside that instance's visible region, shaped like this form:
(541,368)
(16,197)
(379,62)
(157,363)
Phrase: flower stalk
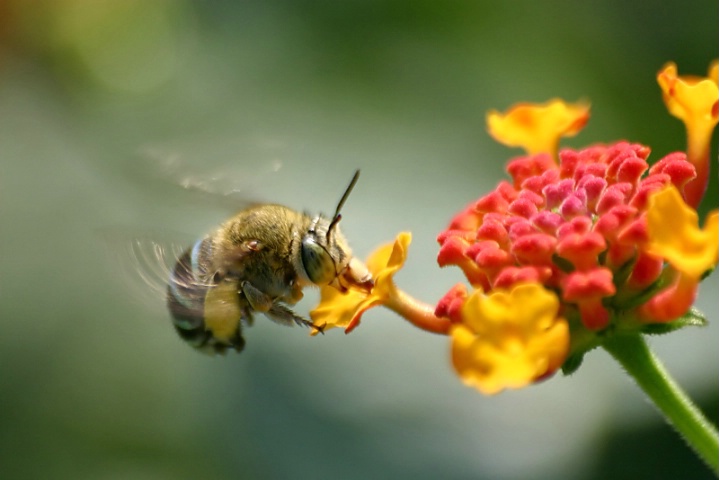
(632,352)
(418,313)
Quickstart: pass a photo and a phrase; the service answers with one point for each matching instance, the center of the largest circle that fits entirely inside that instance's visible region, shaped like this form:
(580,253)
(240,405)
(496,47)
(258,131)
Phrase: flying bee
(258,261)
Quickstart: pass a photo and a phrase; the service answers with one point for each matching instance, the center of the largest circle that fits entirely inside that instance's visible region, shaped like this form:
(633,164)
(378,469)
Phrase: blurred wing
(224,181)
(226,178)
(144,263)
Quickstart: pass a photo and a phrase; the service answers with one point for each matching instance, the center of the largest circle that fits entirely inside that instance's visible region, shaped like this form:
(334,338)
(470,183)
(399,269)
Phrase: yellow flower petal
(538,128)
(337,309)
(691,99)
(695,101)
(384,282)
(713,71)
(509,339)
(674,233)
(379,258)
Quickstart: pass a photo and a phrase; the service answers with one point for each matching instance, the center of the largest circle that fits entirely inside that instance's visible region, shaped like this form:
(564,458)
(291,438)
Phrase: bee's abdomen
(186,295)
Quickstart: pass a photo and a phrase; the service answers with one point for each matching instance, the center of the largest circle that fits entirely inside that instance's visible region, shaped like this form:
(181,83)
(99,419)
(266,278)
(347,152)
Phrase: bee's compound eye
(318,263)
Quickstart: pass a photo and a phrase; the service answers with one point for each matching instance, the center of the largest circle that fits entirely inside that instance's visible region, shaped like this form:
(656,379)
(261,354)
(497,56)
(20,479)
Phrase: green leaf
(637,299)
(623,272)
(706,274)
(572,363)
(693,318)
(602,257)
(562,263)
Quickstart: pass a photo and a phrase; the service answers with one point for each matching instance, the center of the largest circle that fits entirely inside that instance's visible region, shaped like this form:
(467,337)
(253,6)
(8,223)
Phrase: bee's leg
(276,312)
(247,317)
(258,300)
(285,316)
(319,328)
(238,342)
(281,314)
(222,312)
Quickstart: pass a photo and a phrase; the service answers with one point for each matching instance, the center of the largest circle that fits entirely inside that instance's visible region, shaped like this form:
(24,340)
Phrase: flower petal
(674,234)
(538,128)
(695,101)
(509,339)
(691,99)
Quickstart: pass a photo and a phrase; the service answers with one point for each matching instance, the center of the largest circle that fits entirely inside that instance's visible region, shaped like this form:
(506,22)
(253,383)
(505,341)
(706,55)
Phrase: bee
(258,261)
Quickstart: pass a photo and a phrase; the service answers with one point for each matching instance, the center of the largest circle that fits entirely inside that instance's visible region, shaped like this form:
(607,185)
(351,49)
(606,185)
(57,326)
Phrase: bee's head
(325,254)
(324,251)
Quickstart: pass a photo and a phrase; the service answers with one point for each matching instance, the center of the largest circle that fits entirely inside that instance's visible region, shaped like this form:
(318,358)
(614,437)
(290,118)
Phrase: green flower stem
(632,352)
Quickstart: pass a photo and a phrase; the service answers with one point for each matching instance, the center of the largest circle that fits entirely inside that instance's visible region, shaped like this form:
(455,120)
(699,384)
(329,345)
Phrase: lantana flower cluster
(579,230)
(577,246)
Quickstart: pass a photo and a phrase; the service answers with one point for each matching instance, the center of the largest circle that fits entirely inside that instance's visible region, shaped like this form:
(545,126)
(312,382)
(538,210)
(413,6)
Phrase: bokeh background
(103,102)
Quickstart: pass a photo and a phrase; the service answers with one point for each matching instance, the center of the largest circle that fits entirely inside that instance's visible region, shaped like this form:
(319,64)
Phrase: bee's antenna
(337,216)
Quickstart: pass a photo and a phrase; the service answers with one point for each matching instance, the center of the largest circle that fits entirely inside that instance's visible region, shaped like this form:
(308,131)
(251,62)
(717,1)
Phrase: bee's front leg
(258,300)
(281,314)
(273,310)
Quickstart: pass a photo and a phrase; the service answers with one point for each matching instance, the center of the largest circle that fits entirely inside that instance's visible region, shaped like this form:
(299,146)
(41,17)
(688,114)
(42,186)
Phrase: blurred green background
(96,96)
